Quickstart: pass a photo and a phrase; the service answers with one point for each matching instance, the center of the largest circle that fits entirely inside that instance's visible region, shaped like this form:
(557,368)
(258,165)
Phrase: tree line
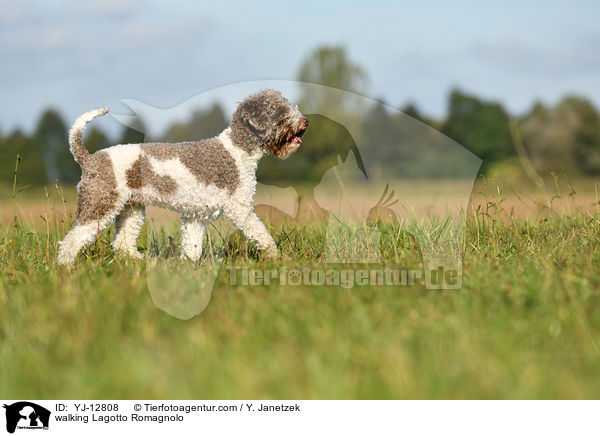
(564,137)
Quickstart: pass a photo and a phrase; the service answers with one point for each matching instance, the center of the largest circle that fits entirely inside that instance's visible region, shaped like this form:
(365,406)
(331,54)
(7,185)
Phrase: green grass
(526,323)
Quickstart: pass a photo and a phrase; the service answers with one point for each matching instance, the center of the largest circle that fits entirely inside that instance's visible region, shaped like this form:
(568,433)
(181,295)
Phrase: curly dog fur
(202,180)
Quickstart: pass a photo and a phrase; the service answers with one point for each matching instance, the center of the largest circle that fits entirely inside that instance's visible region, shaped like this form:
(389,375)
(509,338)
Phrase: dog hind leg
(192,236)
(128,225)
(79,237)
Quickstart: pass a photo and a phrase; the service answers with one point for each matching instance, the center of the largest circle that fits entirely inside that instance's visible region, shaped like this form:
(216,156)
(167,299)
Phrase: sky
(76,55)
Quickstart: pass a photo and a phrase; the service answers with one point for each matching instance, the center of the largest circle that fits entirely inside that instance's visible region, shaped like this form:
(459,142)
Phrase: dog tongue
(297,139)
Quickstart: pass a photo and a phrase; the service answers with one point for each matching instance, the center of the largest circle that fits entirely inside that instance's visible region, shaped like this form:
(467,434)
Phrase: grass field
(526,323)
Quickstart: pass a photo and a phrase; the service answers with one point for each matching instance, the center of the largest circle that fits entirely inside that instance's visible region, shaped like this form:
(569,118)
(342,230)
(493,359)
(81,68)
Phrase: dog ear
(255,124)
(252,112)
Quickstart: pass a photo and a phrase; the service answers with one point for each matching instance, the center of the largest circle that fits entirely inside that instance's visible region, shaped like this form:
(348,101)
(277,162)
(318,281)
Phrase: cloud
(552,59)
(146,32)
(12,13)
(111,9)
(44,39)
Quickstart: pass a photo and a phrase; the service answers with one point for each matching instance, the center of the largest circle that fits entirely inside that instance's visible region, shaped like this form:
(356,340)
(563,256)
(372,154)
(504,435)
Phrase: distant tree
(411,110)
(95,140)
(51,137)
(134,134)
(203,124)
(396,145)
(480,126)
(32,169)
(587,140)
(382,134)
(563,138)
(325,139)
(329,66)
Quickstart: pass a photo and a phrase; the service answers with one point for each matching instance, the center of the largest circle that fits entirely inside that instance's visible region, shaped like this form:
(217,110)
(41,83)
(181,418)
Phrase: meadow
(525,324)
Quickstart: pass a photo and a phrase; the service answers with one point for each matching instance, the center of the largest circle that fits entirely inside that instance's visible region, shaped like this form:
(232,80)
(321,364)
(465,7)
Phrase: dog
(24,413)
(201,180)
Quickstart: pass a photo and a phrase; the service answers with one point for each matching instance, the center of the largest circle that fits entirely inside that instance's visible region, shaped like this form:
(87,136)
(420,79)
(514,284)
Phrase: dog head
(268,121)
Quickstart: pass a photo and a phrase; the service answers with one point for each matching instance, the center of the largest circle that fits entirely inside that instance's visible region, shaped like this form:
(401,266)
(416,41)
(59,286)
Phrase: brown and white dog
(202,180)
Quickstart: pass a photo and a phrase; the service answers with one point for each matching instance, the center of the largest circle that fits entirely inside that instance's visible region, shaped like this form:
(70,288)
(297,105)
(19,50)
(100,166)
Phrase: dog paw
(65,260)
(67,264)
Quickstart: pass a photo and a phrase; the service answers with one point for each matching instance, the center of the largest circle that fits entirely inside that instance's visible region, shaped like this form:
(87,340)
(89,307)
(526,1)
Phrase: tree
(412,110)
(95,140)
(203,124)
(325,139)
(565,137)
(382,134)
(480,126)
(51,137)
(32,170)
(134,134)
(329,66)
(587,140)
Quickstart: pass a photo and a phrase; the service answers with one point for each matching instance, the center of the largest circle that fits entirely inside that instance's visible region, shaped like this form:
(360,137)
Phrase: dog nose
(304,123)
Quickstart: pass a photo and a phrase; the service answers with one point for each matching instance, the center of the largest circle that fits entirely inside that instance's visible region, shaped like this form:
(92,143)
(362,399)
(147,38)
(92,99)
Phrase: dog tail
(76,134)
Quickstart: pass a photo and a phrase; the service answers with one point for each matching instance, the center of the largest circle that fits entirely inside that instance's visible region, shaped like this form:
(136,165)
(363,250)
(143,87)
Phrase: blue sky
(75,55)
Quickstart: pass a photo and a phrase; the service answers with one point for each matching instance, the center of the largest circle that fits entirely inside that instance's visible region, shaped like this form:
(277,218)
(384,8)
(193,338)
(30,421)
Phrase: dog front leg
(192,236)
(253,229)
